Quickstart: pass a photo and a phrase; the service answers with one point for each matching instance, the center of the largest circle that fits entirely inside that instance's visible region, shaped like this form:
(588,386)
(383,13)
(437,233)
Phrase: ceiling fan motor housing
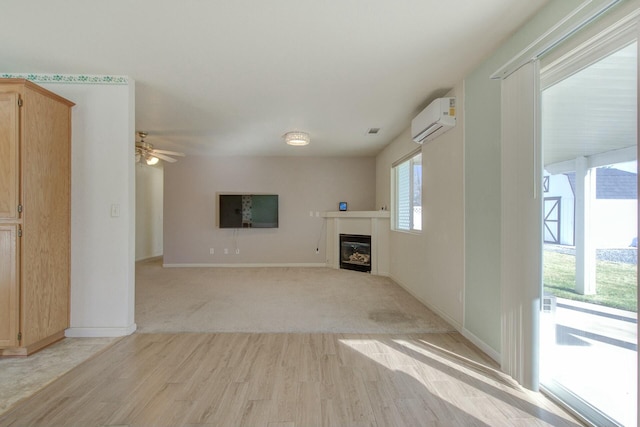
(146,152)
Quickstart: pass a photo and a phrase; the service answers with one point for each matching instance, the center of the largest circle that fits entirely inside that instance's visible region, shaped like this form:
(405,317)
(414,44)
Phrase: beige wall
(430,264)
(303,184)
(149,189)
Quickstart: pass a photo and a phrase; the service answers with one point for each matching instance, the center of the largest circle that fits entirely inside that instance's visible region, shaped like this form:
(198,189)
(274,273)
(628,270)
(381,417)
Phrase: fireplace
(368,223)
(355,252)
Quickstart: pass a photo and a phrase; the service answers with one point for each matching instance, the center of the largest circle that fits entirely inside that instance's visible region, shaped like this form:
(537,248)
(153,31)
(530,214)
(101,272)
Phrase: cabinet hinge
(19,102)
(19,336)
(19,232)
(19,208)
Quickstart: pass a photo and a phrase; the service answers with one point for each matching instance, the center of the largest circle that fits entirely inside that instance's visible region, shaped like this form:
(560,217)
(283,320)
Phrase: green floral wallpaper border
(69,78)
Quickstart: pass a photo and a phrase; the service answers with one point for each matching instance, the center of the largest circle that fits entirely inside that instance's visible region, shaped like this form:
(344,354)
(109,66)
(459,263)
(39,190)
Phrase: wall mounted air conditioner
(433,121)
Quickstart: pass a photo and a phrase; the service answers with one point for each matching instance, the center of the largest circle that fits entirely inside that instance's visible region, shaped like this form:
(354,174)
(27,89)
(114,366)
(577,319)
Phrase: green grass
(616,283)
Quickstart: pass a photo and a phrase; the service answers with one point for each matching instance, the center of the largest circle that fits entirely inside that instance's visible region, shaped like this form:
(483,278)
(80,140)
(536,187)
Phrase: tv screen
(248,211)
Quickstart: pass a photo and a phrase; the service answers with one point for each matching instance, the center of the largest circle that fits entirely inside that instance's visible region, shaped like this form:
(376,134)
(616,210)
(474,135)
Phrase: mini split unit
(433,121)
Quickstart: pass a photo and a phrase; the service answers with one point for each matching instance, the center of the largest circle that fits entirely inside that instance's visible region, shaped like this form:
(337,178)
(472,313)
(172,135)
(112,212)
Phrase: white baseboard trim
(489,351)
(251,265)
(463,331)
(99,332)
(147,258)
(431,307)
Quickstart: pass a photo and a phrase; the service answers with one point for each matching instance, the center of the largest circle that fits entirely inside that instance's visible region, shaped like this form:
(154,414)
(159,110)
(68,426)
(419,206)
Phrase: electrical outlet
(212,251)
(226,251)
(237,251)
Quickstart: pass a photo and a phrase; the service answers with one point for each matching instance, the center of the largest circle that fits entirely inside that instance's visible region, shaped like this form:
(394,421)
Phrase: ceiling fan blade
(172,153)
(163,157)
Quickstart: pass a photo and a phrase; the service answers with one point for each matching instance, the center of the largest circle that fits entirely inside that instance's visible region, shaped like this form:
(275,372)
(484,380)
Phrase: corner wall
(458,252)
(430,264)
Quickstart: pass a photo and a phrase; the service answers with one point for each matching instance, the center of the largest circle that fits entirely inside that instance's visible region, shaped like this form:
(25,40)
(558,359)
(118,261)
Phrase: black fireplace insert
(355,252)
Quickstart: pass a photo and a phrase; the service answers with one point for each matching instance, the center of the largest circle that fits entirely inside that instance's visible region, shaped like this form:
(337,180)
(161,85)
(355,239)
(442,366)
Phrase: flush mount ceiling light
(297,138)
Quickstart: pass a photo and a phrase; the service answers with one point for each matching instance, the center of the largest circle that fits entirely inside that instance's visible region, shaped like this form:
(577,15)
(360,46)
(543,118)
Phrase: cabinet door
(9,301)
(9,133)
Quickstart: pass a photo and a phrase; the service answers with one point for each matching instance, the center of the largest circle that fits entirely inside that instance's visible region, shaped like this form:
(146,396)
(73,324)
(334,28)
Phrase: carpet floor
(275,299)
(256,300)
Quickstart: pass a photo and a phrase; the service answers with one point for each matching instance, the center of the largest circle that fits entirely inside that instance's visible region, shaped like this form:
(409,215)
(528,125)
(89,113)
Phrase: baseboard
(149,258)
(457,326)
(489,351)
(100,332)
(250,265)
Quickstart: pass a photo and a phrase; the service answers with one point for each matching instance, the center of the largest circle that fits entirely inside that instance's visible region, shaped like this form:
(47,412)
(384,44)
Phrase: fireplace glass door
(355,252)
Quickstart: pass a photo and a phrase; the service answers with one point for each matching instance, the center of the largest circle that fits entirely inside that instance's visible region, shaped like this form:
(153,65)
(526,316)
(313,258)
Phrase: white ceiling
(230,77)
(592,111)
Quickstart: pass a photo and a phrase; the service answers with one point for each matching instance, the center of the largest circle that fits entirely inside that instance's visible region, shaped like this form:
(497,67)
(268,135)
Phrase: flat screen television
(248,210)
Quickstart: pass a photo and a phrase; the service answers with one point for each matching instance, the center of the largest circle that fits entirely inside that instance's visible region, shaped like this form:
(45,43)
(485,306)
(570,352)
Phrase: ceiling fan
(145,152)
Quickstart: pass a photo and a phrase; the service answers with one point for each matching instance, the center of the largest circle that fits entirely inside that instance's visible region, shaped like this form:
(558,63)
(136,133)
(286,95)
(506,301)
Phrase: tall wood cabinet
(35,220)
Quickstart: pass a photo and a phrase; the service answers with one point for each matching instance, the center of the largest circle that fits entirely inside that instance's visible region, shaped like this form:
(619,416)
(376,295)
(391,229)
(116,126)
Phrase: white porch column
(585,250)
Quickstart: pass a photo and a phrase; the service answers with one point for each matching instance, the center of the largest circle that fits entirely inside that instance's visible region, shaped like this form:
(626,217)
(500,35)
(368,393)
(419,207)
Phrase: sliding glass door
(588,322)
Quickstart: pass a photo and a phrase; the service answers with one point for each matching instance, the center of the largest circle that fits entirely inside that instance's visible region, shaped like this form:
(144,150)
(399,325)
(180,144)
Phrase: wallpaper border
(69,78)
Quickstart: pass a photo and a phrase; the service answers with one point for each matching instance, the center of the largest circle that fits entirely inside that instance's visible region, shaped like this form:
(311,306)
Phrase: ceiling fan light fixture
(297,138)
(150,155)
(151,160)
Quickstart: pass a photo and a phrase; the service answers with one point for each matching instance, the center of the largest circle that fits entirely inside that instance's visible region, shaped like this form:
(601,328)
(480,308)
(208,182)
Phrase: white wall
(102,246)
(439,264)
(430,263)
(559,186)
(149,213)
(303,185)
(614,222)
(482,180)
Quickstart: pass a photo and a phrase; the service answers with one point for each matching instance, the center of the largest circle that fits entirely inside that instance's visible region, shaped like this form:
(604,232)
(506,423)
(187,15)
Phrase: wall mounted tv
(248,210)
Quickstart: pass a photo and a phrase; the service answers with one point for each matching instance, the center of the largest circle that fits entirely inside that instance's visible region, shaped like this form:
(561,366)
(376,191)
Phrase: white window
(407,174)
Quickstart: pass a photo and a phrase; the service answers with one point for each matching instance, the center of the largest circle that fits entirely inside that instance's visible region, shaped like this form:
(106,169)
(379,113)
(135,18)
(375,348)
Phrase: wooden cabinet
(35,216)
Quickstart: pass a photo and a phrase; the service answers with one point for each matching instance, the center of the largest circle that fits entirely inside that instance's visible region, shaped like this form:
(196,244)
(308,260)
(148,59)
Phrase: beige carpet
(275,299)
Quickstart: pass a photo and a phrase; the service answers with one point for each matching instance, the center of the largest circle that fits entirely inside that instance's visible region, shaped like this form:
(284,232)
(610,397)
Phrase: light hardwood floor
(278,380)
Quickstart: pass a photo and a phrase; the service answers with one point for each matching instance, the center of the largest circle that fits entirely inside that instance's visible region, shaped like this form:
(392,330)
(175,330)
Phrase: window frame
(395,193)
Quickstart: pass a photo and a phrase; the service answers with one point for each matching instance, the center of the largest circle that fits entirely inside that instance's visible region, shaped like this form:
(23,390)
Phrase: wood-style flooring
(286,380)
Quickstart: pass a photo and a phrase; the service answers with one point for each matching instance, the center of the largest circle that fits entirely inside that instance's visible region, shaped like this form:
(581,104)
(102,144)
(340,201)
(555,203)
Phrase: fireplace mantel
(357,214)
(373,223)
